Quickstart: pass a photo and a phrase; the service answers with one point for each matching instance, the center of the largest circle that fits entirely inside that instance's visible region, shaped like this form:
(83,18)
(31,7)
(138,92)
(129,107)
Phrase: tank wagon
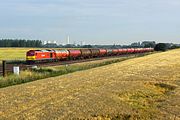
(86,53)
(61,54)
(115,51)
(33,56)
(74,54)
(102,52)
(95,52)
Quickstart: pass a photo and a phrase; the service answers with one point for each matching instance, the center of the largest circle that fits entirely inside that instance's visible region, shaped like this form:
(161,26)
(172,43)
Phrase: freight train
(33,56)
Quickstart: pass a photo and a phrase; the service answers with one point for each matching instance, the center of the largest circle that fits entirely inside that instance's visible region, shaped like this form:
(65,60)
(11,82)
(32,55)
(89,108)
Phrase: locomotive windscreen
(31,53)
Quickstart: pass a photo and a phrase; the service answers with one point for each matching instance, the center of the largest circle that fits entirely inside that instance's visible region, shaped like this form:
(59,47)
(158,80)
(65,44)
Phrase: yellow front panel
(30,58)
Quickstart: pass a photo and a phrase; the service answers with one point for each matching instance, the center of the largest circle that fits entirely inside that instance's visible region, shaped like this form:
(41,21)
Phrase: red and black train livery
(33,56)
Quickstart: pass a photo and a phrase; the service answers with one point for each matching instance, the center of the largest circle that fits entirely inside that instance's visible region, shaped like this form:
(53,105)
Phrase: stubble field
(140,88)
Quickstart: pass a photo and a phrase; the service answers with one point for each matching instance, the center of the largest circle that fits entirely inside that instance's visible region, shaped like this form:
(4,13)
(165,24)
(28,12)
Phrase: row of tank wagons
(40,55)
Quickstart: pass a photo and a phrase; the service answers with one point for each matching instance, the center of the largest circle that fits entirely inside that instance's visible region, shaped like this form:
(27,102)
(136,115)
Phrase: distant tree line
(166,46)
(38,43)
(20,43)
(161,47)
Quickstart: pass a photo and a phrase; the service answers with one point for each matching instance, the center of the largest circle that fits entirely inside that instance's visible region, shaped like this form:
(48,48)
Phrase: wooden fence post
(4,68)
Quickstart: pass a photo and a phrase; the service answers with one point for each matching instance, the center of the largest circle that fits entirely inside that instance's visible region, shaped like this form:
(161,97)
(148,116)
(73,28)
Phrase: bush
(161,47)
(174,47)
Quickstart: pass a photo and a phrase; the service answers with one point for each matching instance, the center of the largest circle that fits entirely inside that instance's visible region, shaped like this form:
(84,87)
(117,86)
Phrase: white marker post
(16,70)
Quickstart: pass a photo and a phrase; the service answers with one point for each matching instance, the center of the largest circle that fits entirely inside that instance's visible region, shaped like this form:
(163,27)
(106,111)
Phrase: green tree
(161,47)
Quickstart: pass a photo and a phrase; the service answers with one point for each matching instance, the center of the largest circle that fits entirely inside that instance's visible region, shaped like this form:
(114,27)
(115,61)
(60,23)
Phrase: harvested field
(139,88)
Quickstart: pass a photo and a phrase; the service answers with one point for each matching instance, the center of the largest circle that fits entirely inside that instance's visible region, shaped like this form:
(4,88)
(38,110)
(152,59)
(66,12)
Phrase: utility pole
(4,68)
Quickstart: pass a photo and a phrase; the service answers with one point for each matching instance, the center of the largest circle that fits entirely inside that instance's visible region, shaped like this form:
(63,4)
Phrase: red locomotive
(33,56)
(40,55)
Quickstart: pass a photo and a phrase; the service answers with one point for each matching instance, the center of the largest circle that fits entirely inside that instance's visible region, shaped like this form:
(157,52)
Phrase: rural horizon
(81,42)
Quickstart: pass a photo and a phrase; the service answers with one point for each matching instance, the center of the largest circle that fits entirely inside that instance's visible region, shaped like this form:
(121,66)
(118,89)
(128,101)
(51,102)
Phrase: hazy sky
(92,21)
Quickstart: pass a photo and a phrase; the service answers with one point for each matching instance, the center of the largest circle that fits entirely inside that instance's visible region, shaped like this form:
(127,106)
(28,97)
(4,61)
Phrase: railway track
(9,67)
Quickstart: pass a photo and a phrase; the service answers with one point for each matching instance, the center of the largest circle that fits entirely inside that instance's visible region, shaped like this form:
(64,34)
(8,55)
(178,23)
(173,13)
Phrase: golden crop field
(13,53)
(140,88)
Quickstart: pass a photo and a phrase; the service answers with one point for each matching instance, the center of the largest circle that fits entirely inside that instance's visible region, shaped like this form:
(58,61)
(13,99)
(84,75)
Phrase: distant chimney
(68,39)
